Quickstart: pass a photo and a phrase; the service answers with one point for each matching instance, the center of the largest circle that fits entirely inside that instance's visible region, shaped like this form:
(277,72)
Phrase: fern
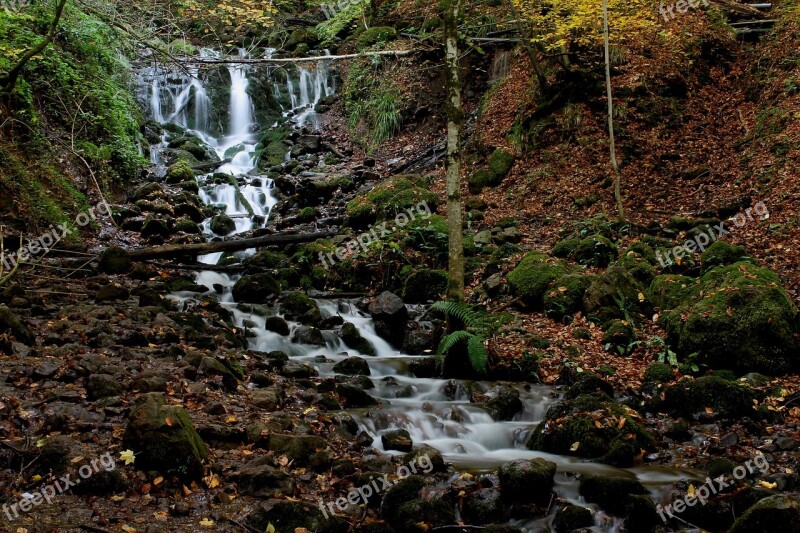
(477,353)
(458,310)
(448,342)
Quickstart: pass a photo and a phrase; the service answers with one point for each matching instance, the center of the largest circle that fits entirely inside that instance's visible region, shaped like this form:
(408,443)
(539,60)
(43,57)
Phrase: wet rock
(155,227)
(57,453)
(352,338)
(419,337)
(300,308)
(164,438)
(354,396)
(298,370)
(423,368)
(256,288)
(352,366)
(277,325)
(114,260)
(505,405)
(776,513)
(111,292)
(397,439)
(572,517)
(102,483)
(424,285)
(267,399)
(404,491)
(259,478)
(298,448)
(389,308)
(308,335)
(345,420)
(44,371)
(423,515)
(11,322)
(102,386)
(612,494)
(587,383)
(527,481)
(691,396)
(148,191)
(290,516)
(484,507)
(427,458)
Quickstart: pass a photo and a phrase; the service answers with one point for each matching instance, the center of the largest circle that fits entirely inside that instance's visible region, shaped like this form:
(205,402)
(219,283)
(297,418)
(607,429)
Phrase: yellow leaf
(77,459)
(690,492)
(157,481)
(641,297)
(127,456)
(270,528)
(205,522)
(128,529)
(575,446)
(231,419)
(37,477)
(767,484)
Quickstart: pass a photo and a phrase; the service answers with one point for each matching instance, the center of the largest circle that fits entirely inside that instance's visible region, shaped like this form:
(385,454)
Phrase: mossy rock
(737,317)
(500,164)
(615,288)
(255,288)
(612,494)
(643,249)
(181,47)
(565,298)
(619,335)
(775,513)
(534,275)
(668,291)
(403,491)
(572,517)
(395,195)
(187,226)
(479,180)
(639,267)
(299,307)
(423,515)
(691,396)
(114,260)
(353,339)
(720,254)
(288,516)
(573,421)
(222,225)
(659,373)
(375,35)
(179,172)
(424,285)
(266,259)
(527,480)
(164,438)
(594,250)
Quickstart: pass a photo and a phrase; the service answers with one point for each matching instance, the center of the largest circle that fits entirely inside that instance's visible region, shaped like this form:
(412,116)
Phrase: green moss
(375,35)
(534,275)
(619,335)
(307,214)
(500,164)
(565,298)
(595,250)
(179,172)
(691,396)
(639,267)
(114,260)
(395,195)
(659,373)
(424,285)
(668,291)
(720,254)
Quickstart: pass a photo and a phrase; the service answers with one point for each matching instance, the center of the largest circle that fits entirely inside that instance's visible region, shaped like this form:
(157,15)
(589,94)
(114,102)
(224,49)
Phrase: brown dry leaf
(186,490)
(169,421)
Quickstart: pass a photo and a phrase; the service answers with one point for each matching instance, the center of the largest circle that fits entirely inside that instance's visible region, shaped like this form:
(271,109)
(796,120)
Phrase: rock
(301,449)
(354,396)
(388,307)
(612,494)
(527,481)
(57,453)
(277,325)
(402,492)
(114,260)
(111,292)
(256,288)
(155,227)
(587,383)
(603,297)
(534,275)
(726,398)
(289,516)
(572,517)
(720,254)
(308,335)
(260,479)
(45,371)
(419,337)
(738,317)
(594,250)
(11,322)
(397,439)
(423,515)
(668,291)
(427,458)
(565,297)
(267,399)
(484,506)
(164,438)
(424,285)
(102,386)
(298,370)
(222,225)
(298,307)
(659,373)
(352,366)
(505,405)
(423,368)
(353,339)
(776,513)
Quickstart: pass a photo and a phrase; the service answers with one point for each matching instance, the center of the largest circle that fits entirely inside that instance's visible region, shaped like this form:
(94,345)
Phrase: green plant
(474,342)
(667,356)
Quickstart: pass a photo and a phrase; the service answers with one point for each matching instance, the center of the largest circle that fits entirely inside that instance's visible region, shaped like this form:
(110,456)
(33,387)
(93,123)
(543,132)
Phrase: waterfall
(241,105)
(155,101)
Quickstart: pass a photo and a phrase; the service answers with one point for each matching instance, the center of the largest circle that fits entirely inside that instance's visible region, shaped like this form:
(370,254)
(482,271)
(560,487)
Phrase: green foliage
(375,35)
(373,103)
(340,20)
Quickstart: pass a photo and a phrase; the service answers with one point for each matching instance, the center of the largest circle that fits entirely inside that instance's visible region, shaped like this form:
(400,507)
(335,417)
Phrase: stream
(435,412)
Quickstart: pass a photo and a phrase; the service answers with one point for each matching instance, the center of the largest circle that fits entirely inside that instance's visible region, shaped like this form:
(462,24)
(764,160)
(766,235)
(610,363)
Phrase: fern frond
(458,310)
(477,353)
(448,342)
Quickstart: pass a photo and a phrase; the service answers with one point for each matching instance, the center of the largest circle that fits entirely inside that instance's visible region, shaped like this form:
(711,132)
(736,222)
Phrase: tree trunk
(10,80)
(611,143)
(455,120)
(175,250)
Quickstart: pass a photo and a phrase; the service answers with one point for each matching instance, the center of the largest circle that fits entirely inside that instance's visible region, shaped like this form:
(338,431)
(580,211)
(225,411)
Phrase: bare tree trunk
(612,144)
(455,120)
(10,80)
(526,39)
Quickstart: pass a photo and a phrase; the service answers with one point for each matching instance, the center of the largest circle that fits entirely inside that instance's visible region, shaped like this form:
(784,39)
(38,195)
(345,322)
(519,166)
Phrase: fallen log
(284,60)
(212,165)
(175,250)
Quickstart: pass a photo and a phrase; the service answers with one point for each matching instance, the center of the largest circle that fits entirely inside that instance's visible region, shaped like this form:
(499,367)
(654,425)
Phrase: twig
(243,526)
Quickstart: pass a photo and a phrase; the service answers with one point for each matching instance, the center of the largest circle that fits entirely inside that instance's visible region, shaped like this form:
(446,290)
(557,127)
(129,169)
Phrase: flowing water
(434,411)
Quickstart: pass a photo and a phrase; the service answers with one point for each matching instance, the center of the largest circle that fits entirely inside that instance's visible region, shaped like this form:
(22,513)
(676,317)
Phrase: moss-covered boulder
(222,225)
(618,336)
(691,396)
(391,197)
(424,285)
(12,323)
(659,373)
(527,480)
(114,260)
(163,438)
(404,491)
(623,497)
(572,517)
(565,297)
(738,317)
(595,250)
(353,339)
(613,294)
(776,513)
(375,35)
(534,275)
(720,254)
(179,172)
(290,516)
(668,291)
(299,307)
(640,268)
(594,427)
(255,288)
(499,166)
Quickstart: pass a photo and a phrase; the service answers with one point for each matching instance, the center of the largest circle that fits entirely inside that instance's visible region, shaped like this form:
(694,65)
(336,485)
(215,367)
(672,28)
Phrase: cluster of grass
(373,103)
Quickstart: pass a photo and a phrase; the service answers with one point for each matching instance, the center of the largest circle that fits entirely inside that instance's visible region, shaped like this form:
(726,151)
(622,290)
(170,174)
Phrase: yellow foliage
(570,24)
(235,13)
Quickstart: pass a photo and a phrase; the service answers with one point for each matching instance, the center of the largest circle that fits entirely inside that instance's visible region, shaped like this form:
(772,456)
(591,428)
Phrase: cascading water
(434,411)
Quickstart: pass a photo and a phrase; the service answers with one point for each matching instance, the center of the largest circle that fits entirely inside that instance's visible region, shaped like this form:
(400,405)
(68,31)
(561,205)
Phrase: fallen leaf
(127,456)
(767,484)
(575,446)
(205,522)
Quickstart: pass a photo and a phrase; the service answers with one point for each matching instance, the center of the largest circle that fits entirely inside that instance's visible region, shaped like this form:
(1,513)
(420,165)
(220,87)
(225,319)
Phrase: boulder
(114,260)
(256,288)
(484,506)
(527,481)
(102,386)
(397,439)
(727,399)
(388,307)
(352,366)
(534,275)
(505,404)
(12,323)
(259,478)
(353,339)
(776,513)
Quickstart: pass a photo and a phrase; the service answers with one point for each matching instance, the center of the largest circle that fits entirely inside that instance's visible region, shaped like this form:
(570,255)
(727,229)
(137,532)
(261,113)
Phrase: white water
(434,411)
